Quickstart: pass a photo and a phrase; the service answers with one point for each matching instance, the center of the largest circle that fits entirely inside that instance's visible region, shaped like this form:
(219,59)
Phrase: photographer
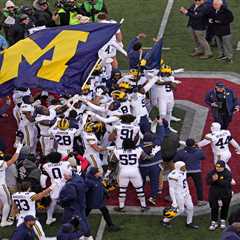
(69,13)
(92,7)
(223,103)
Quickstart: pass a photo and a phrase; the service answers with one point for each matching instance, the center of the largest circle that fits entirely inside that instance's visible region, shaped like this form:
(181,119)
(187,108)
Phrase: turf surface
(51,230)
(149,227)
(178,38)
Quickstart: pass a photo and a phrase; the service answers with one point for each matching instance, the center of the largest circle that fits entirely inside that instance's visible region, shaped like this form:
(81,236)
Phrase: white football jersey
(24,203)
(18,95)
(138,103)
(88,140)
(55,170)
(3,167)
(165,91)
(44,130)
(219,141)
(126,131)
(125,107)
(64,139)
(129,158)
(179,181)
(25,108)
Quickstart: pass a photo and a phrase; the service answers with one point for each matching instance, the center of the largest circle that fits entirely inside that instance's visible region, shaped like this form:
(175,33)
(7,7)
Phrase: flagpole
(98,61)
(91,72)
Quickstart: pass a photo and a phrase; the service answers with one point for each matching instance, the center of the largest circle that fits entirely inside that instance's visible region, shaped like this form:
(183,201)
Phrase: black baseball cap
(220,84)
(220,163)
(29,218)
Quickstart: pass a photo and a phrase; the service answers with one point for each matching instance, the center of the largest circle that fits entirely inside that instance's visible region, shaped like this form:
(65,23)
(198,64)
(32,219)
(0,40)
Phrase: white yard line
(101,228)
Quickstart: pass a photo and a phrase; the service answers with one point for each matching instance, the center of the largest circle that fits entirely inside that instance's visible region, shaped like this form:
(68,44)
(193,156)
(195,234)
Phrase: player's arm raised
(15,156)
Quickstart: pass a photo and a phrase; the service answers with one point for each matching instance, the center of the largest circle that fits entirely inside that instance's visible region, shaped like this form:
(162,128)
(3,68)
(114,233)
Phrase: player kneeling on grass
(180,195)
(128,158)
(25,204)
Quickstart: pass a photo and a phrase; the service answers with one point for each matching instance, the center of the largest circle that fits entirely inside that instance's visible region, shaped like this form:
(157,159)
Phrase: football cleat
(144,209)
(166,224)
(50,221)
(222,224)
(213,226)
(5,224)
(152,201)
(118,209)
(192,226)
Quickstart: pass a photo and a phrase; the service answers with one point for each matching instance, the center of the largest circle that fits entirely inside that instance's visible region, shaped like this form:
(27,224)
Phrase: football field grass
(178,38)
(149,228)
(52,230)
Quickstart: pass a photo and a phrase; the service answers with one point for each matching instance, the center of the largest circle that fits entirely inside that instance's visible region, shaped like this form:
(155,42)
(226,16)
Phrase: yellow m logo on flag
(64,47)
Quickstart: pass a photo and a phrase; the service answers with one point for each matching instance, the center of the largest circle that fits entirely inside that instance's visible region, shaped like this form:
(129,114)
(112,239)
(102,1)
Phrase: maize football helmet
(91,127)
(86,88)
(125,85)
(119,95)
(165,70)
(134,72)
(63,124)
(169,212)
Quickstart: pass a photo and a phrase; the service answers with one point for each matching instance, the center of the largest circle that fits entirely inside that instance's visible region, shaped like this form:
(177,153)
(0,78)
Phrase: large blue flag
(153,56)
(55,59)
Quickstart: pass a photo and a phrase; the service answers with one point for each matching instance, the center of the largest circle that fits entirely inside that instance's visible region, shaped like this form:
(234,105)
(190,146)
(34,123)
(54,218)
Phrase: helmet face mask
(215,127)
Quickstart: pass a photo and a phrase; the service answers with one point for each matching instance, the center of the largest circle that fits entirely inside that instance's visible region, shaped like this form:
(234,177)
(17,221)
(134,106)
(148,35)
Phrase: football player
(18,94)
(220,140)
(54,168)
(126,130)
(162,94)
(64,136)
(25,204)
(121,96)
(5,196)
(27,123)
(91,144)
(128,160)
(45,119)
(138,103)
(180,195)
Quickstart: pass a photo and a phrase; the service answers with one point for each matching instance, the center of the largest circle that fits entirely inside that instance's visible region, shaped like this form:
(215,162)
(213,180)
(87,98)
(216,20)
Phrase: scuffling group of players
(108,126)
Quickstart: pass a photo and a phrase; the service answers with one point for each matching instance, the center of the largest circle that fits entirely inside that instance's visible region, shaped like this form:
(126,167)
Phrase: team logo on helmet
(119,95)
(63,124)
(170,212)
(125,85)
